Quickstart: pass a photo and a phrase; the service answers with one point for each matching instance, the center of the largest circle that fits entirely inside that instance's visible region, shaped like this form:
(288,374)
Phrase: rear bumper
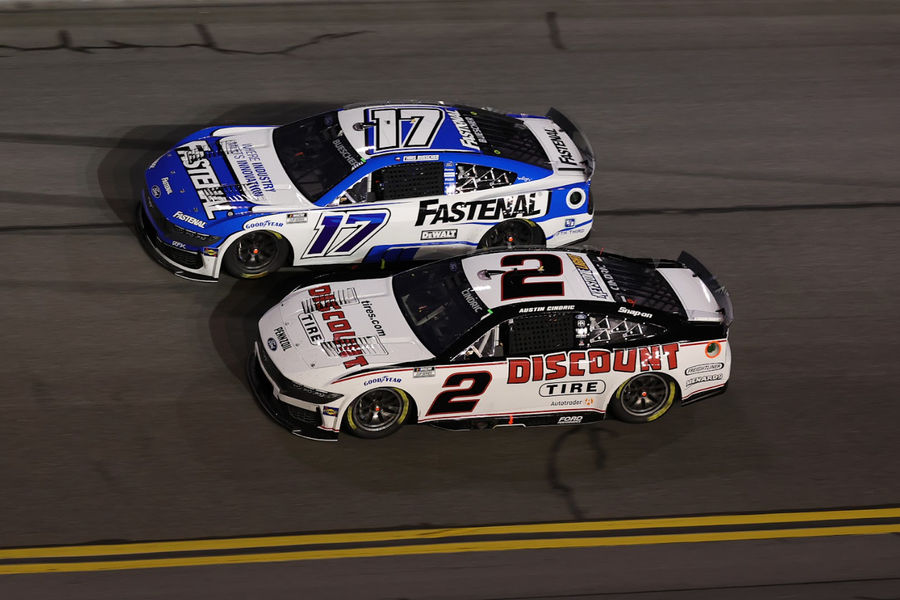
(301,422)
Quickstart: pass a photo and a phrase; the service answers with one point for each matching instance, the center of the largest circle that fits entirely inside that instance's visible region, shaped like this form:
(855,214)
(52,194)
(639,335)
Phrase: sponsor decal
(434,212)
(476,305)
(166,185)
(330,411)
(211,251)
(565,155)
(382,379)
(569,420)
(712,349)
(704,368)
(572,388)
(594,284)
(572,232)
(367,306)
(635,313)
(248,163)
(421,158)
(566,403)
(346,153)
(282,338)
(155,191)
(423,372)
(463,126)
(272,344)
(549,308)
(570,222)
(203,178)
(178,244)
(607,276)
(296,217)
(189,219)
(704,379)
(578,363)
(312,331)
(439,234)
(345,341)
(262,223)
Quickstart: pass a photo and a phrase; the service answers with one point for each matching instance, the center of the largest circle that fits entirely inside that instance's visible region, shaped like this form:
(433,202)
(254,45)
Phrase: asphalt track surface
(761,136)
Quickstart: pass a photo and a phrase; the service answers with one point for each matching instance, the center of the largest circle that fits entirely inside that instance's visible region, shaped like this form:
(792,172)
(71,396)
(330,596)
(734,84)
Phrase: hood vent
(366,345)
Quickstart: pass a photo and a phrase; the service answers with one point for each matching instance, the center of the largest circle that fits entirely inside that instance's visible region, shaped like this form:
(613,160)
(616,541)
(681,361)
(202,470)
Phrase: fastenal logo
(189,219)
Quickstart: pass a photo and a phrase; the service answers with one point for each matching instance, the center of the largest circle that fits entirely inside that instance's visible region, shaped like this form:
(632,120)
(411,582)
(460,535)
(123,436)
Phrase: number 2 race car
(516,337)
(364,184)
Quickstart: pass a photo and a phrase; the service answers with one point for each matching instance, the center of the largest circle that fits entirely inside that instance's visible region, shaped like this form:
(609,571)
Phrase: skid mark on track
(207,41)
(553,476)
(553,27)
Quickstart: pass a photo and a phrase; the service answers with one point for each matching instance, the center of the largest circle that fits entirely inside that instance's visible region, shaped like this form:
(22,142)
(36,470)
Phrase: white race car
(384,182)
(499,338)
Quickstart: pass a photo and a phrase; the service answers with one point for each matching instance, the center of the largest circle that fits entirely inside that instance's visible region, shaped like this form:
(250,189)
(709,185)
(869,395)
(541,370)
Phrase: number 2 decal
(340,233)
(514,283)
(446,402)
(390,133)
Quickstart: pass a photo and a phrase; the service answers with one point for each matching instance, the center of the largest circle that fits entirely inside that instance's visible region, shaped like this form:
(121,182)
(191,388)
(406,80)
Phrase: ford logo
(155,191)
(272,344)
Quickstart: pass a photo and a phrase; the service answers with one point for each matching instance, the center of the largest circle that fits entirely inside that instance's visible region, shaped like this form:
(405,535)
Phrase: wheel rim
(256,250)
(377,410)
(513,233)
(645,394)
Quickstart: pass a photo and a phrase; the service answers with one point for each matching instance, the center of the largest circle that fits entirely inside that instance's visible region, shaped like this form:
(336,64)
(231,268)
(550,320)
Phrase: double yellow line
(582,534)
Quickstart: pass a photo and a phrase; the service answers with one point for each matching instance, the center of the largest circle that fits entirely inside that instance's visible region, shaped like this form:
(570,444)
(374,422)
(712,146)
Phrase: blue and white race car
(392,182)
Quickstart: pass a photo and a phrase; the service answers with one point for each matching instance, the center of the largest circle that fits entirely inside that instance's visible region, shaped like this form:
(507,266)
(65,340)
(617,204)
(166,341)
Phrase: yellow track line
(420,534)
(452,547)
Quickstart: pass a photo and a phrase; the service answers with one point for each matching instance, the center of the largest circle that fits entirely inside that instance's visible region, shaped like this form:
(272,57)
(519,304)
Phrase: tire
(512,233)
(644,398)
(366,416)
(256,254)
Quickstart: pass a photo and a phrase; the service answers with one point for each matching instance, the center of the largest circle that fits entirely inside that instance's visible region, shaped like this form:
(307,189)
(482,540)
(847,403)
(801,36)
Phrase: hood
(323,332)
(228,172)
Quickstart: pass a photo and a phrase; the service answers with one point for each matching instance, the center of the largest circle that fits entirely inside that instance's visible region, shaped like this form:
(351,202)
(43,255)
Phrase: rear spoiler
(718,290)
(580,141)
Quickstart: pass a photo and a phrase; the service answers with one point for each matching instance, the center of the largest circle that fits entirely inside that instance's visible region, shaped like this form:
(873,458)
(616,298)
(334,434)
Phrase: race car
(497,338)
(367,183)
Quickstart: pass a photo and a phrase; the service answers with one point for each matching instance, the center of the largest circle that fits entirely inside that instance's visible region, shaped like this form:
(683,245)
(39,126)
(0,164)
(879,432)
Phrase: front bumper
(301,422)
(183,263)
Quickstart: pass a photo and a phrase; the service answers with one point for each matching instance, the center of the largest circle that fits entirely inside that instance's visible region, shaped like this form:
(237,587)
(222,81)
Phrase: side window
(356,193)
(470,178)
(597,331)
(488,345)
(408,180)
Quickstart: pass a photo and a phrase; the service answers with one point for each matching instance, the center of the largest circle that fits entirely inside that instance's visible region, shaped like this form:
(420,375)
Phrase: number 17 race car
(384,182)
(498,338)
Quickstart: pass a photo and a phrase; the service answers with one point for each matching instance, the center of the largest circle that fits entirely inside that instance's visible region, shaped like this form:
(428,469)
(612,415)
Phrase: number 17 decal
(341,233)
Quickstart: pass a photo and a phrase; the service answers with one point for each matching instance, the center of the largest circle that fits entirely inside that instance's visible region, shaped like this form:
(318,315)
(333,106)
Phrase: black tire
(512,233)
(644,398)
(378,413)
(256,254)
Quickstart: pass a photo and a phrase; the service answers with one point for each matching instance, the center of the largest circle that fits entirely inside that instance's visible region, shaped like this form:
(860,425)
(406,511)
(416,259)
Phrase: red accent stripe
(507,413)
(375,373)
(703,390)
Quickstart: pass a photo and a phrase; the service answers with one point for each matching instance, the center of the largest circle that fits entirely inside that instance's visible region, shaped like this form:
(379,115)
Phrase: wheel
(256,254)
(378,413)
(643,398)
(515,232)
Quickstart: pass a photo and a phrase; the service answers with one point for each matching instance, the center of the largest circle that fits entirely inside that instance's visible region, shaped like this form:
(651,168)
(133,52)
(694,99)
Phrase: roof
(415,127)
(541,275)
(566,276)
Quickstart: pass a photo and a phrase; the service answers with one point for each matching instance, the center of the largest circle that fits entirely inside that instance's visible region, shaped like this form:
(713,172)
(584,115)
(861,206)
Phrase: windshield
(438,303)
(315,154)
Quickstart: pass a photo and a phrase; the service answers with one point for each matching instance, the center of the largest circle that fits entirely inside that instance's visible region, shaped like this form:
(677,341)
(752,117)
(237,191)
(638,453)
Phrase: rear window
(505,136)
(637,283)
